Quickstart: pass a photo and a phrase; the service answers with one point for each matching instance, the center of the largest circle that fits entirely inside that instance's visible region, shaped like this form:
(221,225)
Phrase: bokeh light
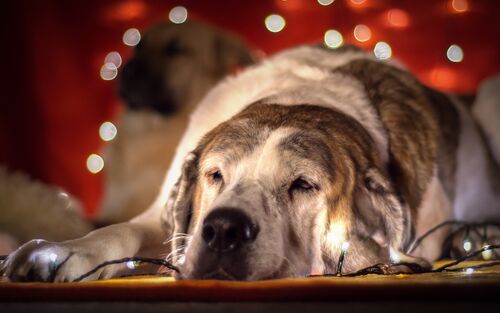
(178,15)
(459,6)
(333,38)
(107,131)
(398,18)
(455,53)
(275,23)
(325,2)
(95,163)
(113,57)
(109,71)
(131,37)
(382,50)
(362,33)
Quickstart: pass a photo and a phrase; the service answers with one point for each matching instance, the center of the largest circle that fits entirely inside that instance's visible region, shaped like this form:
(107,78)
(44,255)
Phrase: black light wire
(378,269)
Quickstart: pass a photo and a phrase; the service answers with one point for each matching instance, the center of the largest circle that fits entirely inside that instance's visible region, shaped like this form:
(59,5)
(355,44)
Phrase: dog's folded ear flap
(179,203)
(231,54)
(387,216)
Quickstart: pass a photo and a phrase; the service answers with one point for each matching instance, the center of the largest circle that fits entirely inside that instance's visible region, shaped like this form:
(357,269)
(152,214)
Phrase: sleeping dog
(284,163)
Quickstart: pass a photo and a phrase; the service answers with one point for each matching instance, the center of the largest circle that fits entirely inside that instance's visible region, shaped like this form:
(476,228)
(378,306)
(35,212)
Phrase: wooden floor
(376,293)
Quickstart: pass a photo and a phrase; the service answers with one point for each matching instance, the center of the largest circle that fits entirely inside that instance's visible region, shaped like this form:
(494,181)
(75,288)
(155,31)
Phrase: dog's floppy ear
(180,201)
(385,215)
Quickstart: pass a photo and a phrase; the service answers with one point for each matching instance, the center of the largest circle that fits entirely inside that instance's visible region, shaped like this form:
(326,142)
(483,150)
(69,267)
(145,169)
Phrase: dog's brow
(309,147)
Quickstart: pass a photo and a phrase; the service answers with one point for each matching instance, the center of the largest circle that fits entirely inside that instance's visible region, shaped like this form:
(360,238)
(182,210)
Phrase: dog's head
(174,65)
(276,191)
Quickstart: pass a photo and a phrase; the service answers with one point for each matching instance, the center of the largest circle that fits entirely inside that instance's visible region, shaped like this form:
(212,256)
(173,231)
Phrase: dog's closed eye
(215,176)
(301,184)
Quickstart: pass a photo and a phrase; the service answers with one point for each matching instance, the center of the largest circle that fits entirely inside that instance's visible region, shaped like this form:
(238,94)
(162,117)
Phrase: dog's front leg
(39,260)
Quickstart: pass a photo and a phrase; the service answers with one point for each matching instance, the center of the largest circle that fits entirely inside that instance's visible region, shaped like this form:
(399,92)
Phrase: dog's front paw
(40,260)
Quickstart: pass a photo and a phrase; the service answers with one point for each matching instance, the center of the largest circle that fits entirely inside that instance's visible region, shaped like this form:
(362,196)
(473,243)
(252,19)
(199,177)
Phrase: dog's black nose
(226,229)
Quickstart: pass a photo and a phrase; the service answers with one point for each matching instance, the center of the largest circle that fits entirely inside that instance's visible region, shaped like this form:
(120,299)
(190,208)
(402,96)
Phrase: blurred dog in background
(173,67)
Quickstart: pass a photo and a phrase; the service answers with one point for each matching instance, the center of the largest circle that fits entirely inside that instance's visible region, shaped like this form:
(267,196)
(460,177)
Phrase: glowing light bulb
(275,23)
(469,271)
(382,50)
(333,39)
(357,2)
(178,15)
(345,246)
(131,265)
(455,53)
(362,33)
(108,71)
(460,6)
(487,254)
(131,37)
(398,18)
(325,2)
(467,244)
(95,163)
(394,256)
(107,131)
(336,234)
(113,57)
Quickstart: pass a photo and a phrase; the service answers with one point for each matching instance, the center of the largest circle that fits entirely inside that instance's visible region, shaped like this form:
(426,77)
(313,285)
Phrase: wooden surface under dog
(477,285)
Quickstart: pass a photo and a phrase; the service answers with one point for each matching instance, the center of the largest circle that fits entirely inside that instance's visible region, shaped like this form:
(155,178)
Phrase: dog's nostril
(208,233)
(226,229)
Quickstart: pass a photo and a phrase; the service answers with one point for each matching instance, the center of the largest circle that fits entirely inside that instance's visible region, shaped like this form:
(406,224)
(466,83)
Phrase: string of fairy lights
(274,23)
(396,266)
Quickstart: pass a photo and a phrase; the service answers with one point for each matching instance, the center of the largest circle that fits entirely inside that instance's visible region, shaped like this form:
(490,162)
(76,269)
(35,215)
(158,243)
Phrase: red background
(53,99)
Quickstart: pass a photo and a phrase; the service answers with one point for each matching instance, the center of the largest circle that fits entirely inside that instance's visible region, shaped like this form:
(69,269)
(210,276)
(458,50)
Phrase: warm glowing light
(460,6)
(326,2)
(131,37)
(275,23)
(443,77)
(358,2)
(467,244)
(455,54)
(132,265)
(178,15)
(394,255)
(382,50)
(487,254)
(345,246)
(113,57)
(362,33)
(109,71)
(469,271)
(398,18)
(107,131)
(95,163)
(336,234)
(333,38)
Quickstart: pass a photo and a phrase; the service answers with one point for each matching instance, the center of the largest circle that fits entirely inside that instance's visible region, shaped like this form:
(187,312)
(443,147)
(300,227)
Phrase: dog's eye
(302,185)
(216,176)
(173,47)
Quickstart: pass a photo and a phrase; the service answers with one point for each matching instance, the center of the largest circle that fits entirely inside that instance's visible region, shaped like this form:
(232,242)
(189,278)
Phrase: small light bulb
(325,2)
(95,163)
(345,246)
(131,37)
(107,131)
(362,33)
(178,15)
(455,53)
(467,244)
(333,38)
(275,23)
(469,271)
(487,254)
(131,265)
(382,50)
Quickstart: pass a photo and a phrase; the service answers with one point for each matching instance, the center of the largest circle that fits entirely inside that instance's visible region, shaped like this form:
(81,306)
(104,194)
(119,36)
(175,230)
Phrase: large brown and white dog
(285,162)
